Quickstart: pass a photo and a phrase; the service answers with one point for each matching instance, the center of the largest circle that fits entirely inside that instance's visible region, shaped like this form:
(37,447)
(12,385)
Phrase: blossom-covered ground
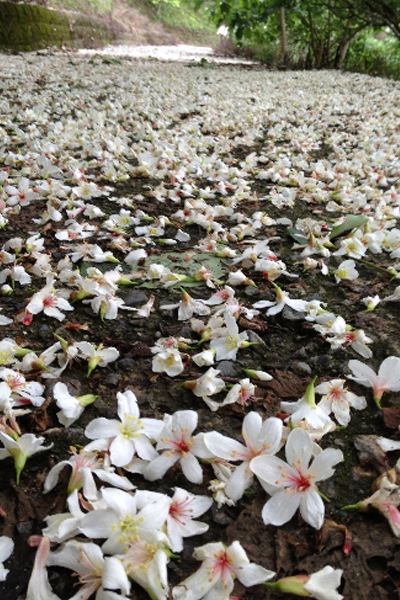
(215,248)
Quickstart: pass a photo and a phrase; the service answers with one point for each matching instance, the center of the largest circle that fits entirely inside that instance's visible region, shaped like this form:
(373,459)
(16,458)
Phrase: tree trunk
(282,25)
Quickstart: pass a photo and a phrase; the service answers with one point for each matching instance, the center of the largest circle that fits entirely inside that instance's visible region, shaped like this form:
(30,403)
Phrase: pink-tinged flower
(48,301)
(178,444)
(321,585)
(386,499)
(84,466)
(260,438)
(6,549)
(337,399)
(295,481)
(130,435)
(22,391)
(39,587)
(387,379)
(241,392)
(96,573)
(215,578)
(183,509)
(21,195)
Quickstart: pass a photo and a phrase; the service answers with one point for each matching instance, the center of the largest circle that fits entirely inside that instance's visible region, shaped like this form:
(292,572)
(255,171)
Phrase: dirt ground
(288,348)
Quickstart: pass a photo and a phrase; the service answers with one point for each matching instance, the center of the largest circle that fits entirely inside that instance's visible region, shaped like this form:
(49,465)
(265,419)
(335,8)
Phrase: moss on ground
(25,27)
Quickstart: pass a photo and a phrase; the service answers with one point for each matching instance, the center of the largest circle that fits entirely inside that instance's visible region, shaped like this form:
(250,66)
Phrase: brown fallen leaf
(370,453)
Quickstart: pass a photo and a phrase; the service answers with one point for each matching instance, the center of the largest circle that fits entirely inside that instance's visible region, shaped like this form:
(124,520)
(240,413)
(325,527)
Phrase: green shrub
(375,55)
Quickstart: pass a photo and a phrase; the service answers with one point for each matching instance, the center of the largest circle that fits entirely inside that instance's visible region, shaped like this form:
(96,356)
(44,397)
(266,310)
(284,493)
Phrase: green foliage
(374,55)
(182,14)
(85,6)
(175,3)
(351,222)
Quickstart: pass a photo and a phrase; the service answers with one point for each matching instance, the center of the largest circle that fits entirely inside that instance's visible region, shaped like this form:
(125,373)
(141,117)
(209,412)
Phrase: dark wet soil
(291,351)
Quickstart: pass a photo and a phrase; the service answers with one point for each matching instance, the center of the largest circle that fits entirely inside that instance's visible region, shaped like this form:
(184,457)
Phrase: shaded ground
(288,348)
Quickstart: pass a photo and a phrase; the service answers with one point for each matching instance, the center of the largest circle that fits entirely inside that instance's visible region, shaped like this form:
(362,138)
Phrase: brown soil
(289,349)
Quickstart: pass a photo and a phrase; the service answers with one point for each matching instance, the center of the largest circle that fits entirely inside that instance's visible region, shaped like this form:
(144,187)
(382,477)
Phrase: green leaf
(351,222)
(297,235)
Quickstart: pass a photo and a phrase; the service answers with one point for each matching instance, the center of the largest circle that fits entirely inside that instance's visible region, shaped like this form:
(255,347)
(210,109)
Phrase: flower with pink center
(22,391)
(96,573)
(295,481)
(337,399)
(48,301)
(261,438)
(387,379)
(84,466)
(178,444)
(221,296)
(386,499)
(183,509)
(215,578)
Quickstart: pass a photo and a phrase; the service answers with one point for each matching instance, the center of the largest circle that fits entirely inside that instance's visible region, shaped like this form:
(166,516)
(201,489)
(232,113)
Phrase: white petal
(185,419)
(102,428)
(321,467)
(323,584)
(312,508)
(271,434)
(253,574)
(281,507)
(114,576)
(144,448)
(299,447)
(98,524)
(6,547)
(389,371)
(191,468)
(224,447)
(121,451)
(362,372)
(270,469)
(251,428)
(53,475)
(159,466)
(239,481)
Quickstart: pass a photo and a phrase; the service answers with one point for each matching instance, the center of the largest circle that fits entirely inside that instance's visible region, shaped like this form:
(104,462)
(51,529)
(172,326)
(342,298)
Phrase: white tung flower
(215,578)
(129,435)
(295,481)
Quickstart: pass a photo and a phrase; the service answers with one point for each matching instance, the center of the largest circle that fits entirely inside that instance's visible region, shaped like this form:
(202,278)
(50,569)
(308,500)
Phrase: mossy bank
(25,27)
